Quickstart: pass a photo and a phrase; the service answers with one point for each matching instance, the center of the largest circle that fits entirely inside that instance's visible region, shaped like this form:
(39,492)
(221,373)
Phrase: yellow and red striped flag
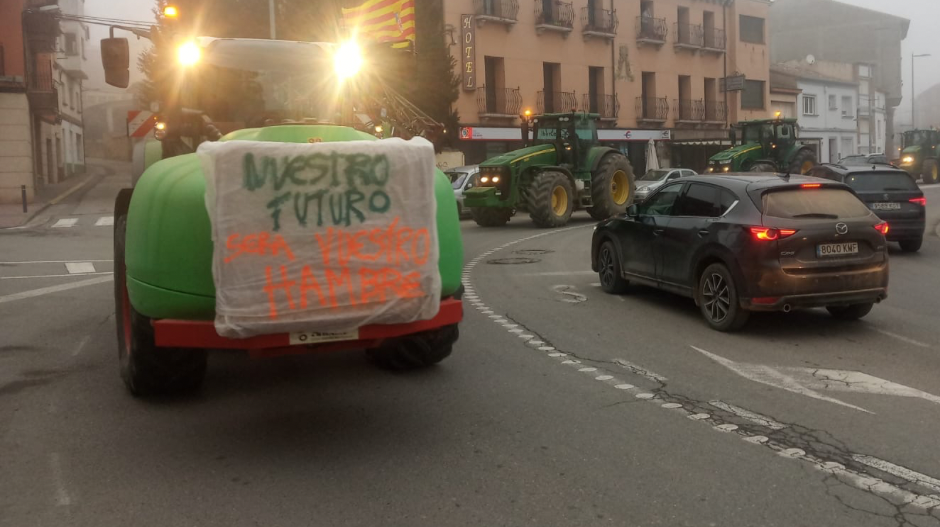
(383,21)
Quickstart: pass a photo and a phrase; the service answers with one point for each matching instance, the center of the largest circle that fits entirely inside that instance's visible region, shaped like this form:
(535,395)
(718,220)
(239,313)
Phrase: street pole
(913,103)
(271,19)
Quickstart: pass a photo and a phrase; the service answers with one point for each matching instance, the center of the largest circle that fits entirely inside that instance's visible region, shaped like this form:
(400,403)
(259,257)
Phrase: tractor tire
(146,369)
(803,162)
(613,187)
(762,167)
(930,173)
(417,351)
(490,216)
(550,200)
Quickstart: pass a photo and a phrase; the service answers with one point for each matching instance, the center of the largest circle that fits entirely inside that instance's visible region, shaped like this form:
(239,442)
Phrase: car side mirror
(633,211)
(115,58)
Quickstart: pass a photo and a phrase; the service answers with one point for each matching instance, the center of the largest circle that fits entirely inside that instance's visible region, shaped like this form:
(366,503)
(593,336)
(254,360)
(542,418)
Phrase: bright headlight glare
(727,169)
(485,179)
(907,159)
(348,60)
(188,53)
(495,179)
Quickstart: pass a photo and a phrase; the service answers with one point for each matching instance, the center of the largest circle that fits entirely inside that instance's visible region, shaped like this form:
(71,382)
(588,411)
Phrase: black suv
(891,193)
(749,242)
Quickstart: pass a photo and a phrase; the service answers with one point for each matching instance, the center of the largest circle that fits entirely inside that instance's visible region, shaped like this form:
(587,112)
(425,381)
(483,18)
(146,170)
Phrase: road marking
(80,267)
(65,222)
(902,338)
(641,371)
(568,295)
(749,415)
(62,498)
(899,471)
(556,273)
(54,289)
(52,275)
(49,261)
(105,221)
(773,377)
(81,345)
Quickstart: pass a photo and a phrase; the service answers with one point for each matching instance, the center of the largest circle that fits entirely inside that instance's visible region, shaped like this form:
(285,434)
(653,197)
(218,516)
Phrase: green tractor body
(766,145)
(919,154)
(562,169)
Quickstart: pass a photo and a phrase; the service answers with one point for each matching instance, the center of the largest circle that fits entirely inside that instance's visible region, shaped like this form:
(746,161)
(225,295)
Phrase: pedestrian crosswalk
(84,221)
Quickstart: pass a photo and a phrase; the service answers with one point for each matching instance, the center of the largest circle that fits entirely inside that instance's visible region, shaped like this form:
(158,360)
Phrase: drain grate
(513,261)
(533,252)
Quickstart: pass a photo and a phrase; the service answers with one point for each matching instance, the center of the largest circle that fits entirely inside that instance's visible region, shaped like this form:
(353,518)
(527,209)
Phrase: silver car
(655,178)
(463,178)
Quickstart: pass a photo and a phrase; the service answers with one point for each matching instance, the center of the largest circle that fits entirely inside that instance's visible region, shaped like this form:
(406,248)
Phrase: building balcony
(651,31)
(499,103)
(600,23)
(689,36)
(557,102)
(496,11)
(652,110)
(607,106)
(714,40)
(716,112)
(689,111)
(43,102)
(554,15)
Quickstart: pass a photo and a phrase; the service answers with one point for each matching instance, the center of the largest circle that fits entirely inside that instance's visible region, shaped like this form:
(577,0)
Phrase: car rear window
(880,182)
(831,203)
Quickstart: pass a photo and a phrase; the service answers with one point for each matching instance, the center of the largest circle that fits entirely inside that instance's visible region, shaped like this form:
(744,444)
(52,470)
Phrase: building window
(809,105)
(71,46)
(752,98)
(847,110)
(752,29)
(864,71)
(833,105)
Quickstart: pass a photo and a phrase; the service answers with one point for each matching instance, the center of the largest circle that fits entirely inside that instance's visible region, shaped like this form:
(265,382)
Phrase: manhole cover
(532,252)
(513,261)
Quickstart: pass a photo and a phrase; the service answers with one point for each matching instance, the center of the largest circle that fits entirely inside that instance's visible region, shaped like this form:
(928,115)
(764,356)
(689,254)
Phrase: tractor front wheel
(551,199)
(491,216)
(930,173)
(803,162)
(612,187)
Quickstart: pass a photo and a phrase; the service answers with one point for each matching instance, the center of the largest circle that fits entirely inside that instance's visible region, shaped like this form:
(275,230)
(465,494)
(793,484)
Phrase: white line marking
(65,222)
(644,396)
(49,261)
(105,221)
(62,498)
(899,471)
(902,338)
(81,345)
(749,415)
(624,386)
(54,289)
(603,377)
(671,406)
(641,371)
(726,427)
(80,267)
(52,275)
(556,273)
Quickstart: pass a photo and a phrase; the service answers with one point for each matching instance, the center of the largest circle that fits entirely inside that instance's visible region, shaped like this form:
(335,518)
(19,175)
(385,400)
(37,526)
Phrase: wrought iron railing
(599,20)
(652,108)
(714,38)
(689,109)
(651,29)
(557,102)
(715,111)
(499,101)
(503,9)
(607,106)
(691,35)
(554,13)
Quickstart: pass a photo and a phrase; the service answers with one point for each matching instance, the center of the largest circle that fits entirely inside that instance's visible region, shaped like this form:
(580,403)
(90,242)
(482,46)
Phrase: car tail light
(920,201)
(882,228)
(811,185)
(768,234)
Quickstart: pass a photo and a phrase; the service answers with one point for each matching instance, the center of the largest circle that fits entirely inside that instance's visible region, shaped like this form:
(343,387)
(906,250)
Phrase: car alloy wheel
(716,296)
(607,270)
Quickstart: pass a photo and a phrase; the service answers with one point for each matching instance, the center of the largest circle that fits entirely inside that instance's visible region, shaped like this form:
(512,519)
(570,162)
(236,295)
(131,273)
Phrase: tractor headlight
(907,160)
(710,170)
(495,179)
(484,179)
(727,168)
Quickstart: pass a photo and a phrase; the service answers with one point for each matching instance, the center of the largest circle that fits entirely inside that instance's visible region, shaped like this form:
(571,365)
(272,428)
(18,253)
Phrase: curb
(56,200)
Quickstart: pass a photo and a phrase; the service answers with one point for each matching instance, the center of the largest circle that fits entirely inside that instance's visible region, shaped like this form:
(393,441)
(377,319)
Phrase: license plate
(836,249)
(885,206)
(319,337)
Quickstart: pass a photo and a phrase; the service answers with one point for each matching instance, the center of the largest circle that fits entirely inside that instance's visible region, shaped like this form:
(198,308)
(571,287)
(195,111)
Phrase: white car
(462,178)
(655,178)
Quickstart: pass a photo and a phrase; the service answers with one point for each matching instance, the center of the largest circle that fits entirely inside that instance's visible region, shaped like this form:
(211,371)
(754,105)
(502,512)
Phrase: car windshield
(458,179)
(834,203)
(654,175)
(252,83)
(881,182)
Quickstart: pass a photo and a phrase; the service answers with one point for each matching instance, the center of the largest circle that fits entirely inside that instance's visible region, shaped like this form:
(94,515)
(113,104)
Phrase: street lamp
(913,113)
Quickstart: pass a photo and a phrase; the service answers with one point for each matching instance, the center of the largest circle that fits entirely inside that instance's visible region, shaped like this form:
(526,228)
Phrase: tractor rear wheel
(930,173)
(803,162)
(551,199)
(612,187)
(762,167)
(491,216)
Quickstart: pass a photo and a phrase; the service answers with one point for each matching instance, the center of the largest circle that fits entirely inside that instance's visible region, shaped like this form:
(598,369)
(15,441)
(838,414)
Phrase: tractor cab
(771,135)
(572,135)
(919,154)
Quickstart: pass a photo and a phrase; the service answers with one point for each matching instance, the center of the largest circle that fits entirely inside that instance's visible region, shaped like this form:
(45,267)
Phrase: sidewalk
(12,215)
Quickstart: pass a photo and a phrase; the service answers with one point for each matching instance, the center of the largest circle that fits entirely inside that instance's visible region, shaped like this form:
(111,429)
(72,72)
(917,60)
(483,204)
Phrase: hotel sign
(468,45)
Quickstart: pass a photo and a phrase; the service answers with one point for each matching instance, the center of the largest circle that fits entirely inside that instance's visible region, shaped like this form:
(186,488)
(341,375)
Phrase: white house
(70,73)
(827,113)
(872,113)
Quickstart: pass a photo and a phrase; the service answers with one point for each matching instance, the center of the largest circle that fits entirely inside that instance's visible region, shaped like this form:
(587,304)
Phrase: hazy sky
(922,38)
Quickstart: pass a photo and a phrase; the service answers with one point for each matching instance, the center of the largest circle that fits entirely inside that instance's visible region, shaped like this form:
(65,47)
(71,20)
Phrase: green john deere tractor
(767,145)
(562,169)
(920,149)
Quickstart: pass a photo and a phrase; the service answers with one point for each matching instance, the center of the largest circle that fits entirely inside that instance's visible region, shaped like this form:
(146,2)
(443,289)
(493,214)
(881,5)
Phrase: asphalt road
(560,406)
